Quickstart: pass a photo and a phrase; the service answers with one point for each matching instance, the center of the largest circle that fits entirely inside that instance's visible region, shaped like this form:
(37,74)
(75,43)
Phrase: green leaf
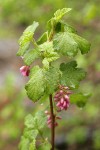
(61,26)
(39,120)
(29,121)
(52,56)
(46,47)
(42,39)
(44,98)
(49,58)
(45,63)
(65,44)
(47,52)
(52,77)
(53,22)
(35,86)
(83,44)
(68,28)
(24,143)
(79,99)
(30,56)
(68,43)
(71,75)
(30,134)
(32,145)
(41,82)
(26,38)
(33,124)
(60,13)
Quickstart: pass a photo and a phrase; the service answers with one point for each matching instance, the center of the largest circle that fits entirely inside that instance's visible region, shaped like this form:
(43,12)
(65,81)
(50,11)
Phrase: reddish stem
(52,123)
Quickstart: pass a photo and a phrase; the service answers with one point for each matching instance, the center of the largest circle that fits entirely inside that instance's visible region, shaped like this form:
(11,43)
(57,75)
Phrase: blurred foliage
(11,112)
(79,125)
(17,13)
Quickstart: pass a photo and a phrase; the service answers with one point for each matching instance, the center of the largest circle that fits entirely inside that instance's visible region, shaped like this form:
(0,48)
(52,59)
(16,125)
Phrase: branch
(52,123)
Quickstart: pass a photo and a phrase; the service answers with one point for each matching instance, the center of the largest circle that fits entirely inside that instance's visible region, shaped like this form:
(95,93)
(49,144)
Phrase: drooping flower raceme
(25,70)
(62,98)
(49,120)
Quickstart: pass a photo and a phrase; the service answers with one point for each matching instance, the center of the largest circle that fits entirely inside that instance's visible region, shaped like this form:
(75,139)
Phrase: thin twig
(52,123)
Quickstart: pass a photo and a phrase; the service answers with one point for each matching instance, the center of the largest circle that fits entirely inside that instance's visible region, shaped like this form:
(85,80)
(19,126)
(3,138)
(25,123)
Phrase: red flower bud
(25,70)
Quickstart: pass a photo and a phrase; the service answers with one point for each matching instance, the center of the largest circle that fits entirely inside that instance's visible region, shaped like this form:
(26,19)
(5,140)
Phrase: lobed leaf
(68,43)
(41,82)
(83,45)
(53,22)
(65,44)
(35,86)
(60,13)
(26,38)
(71,75)
(34,123)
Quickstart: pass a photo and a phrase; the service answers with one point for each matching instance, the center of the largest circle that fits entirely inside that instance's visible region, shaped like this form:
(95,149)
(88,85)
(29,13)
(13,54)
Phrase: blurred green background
(79,128)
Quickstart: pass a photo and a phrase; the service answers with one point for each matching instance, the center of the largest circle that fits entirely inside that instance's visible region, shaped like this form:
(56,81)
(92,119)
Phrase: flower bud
(25,70)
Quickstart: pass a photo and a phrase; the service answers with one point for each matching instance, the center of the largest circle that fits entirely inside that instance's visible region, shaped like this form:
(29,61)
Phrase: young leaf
(79,99)
(26,38)
(49,58)
(71,75)
(60,13)
(47,52)
(53,22)
(35,86)
(30,56)
(46,47)
(65,44)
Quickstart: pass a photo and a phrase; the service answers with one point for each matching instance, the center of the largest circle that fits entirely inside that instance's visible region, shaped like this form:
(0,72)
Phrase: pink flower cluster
(49,120)
(25,70)
(62,98)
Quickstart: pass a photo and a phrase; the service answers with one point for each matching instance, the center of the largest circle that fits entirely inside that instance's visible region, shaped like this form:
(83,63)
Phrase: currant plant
(53,78)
